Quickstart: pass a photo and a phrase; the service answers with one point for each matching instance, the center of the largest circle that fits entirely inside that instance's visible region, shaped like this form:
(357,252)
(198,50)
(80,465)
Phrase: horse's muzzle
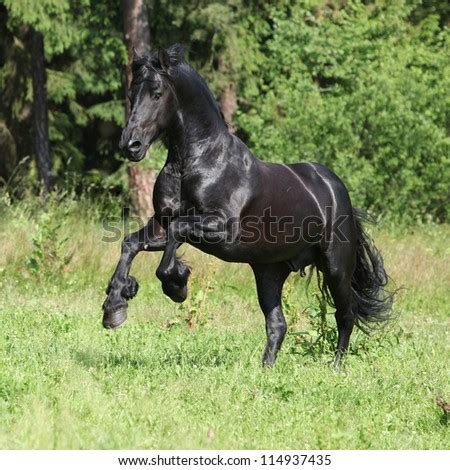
(134,149)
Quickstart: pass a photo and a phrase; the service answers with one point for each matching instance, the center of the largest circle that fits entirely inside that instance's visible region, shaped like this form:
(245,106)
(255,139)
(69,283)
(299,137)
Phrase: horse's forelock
(141,65)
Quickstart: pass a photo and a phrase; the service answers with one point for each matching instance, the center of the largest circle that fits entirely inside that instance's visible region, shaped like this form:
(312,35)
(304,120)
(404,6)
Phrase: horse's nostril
(134,145)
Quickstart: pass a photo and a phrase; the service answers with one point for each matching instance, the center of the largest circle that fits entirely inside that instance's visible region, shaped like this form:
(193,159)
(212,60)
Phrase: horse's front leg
(192,228)
(122,286)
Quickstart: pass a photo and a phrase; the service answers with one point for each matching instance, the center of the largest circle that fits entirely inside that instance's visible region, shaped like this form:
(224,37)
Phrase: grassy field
(189,376)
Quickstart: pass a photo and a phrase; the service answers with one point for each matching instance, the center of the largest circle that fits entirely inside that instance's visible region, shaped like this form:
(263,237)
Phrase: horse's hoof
(181,295)
(176,293)
(268,363)
(113,320)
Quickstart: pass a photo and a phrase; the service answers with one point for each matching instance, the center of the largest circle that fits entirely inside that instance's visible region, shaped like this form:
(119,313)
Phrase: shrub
(364,91)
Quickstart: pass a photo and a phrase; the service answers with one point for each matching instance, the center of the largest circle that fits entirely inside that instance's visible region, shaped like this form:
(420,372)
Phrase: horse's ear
(176,53)
(172,56)
(164,59)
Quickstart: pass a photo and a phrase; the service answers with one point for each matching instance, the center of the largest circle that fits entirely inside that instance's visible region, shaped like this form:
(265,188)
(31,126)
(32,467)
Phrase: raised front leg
(122,286)
(269,283)
(193,228)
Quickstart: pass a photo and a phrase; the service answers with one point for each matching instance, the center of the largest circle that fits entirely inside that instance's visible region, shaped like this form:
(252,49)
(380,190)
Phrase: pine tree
(40,109)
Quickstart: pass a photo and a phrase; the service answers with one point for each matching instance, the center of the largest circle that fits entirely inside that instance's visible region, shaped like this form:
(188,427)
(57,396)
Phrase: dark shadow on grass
(443,420)
(89,359)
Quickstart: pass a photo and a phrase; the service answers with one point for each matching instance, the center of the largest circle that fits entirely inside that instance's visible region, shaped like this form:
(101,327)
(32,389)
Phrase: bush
(364,91)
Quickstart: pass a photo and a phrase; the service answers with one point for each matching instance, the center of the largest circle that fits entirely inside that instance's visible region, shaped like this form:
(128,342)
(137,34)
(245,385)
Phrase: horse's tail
(371,302)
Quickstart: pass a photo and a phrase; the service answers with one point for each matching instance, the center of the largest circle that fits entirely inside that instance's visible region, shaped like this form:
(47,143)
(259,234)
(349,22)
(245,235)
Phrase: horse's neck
(198,122)
(194,138)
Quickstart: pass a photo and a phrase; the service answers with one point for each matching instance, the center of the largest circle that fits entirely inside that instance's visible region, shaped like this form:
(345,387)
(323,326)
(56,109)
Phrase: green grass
(190,376)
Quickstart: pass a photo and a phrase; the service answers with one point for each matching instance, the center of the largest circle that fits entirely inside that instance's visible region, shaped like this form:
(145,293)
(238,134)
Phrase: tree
(85,56)
(137,36)
(40,109)
(359,86)
(228,100)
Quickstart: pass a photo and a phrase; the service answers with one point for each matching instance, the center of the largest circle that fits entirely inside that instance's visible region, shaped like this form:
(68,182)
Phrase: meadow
(189,376)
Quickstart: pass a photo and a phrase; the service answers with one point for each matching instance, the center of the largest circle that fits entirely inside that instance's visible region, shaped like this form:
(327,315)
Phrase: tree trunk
(40,110)
(227,100)
(141,179)
(228,105)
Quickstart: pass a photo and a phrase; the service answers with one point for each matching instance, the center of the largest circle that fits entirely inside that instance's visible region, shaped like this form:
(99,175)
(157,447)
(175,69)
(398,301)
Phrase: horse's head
(152,101)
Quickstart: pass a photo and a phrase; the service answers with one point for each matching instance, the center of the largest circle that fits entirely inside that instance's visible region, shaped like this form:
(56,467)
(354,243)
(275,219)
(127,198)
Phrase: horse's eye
(157,96)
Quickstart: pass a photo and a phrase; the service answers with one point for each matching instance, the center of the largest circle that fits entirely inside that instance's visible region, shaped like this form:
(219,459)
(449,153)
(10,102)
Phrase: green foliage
(111,111)
(321,336)
(359,86)
(362,90)
(50,256)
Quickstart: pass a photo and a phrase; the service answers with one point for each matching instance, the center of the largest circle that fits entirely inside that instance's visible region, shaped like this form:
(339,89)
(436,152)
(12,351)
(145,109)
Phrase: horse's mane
(170,64)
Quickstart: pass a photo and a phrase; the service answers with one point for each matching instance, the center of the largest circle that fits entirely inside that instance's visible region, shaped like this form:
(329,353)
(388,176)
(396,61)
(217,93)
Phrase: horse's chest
(221,189)
(174,196)
(195,195)
(167,194)
(213,191)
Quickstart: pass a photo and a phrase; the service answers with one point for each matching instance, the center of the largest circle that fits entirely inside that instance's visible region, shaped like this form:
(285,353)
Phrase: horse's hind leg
(122,286)
(337,267)
(269,283)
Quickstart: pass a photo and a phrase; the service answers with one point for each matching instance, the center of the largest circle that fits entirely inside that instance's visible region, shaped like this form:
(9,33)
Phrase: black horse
(214,194)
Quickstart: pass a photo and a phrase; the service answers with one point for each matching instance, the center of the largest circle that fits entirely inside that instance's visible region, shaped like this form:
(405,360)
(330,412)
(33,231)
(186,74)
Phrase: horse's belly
(247,252)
